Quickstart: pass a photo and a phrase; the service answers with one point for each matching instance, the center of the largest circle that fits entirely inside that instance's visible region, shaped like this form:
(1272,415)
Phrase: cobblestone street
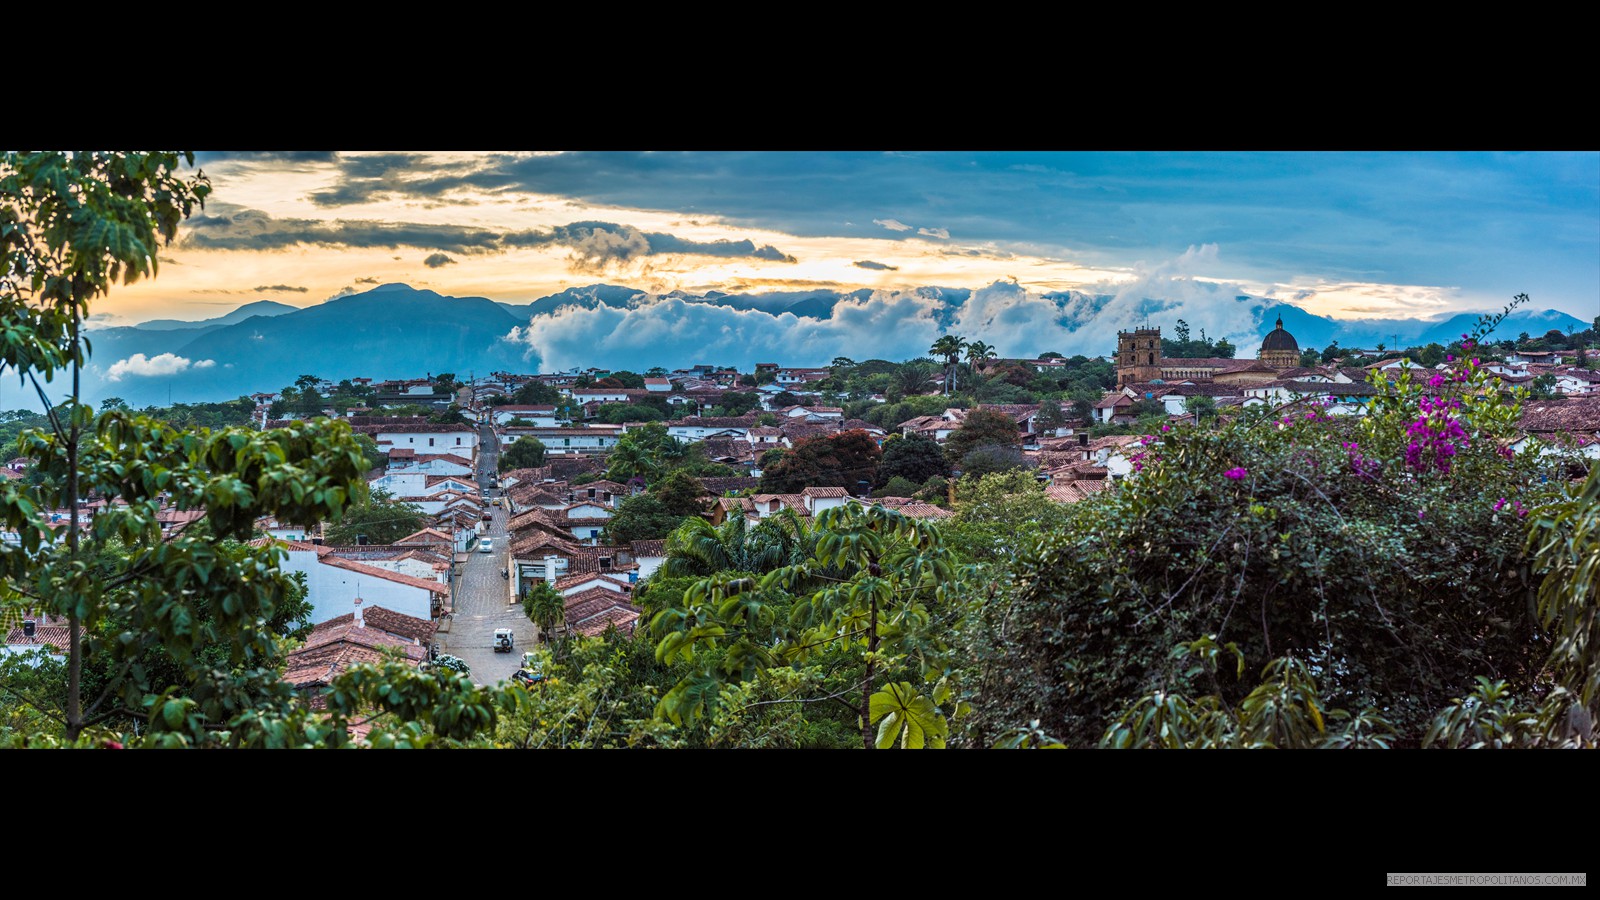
(482,598)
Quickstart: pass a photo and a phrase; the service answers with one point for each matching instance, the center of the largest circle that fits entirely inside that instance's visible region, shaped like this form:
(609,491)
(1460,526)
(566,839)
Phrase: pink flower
(1420,514)
(1450,357)
(1236,473)
(1500,504)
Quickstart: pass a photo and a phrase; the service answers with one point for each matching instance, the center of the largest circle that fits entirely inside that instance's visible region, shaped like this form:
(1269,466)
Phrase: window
(430,442)
(458,442)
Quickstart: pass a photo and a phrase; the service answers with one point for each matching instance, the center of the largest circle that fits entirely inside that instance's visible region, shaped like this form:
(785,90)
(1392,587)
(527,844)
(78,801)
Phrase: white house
(600,395)
(565,441)
(648,556)
(457,440)
(404,460)
(659,385)
(818,499)
(697,428)
(334,583)
(541,416)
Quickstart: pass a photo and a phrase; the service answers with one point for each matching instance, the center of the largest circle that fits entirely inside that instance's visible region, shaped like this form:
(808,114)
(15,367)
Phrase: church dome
(1278,339)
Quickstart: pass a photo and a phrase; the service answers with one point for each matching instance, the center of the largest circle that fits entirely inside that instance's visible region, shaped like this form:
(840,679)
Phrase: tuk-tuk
(502,640)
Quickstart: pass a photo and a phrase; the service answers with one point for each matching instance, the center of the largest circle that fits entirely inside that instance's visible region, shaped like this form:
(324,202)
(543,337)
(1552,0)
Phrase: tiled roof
(859,424)
(57,636)
(1112,401)
(1579,414)
(593,614)
(648,548)
(825,492)
(332,647)
(916,509)
(426,536)
(1218,364)
(400,625)
(721,485)
(747,421)
(424,428)
(375,572)
(567,582)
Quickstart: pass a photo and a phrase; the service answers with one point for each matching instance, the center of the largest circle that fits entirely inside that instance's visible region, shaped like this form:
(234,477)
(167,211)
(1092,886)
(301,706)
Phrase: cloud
(437,260)
(892,225)
(292,156)
(869,264)
(934,232)
(899,324)
(279,288)
(368,281)
(594,246)
(162,364)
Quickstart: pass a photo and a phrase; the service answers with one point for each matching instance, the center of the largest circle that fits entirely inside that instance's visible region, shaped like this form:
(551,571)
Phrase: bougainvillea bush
(1384,551)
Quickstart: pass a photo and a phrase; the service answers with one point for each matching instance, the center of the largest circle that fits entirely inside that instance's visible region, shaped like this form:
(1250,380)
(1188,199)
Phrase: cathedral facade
(1139,360)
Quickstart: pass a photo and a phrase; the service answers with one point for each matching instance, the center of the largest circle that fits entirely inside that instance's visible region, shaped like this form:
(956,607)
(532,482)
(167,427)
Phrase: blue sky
(1351,235)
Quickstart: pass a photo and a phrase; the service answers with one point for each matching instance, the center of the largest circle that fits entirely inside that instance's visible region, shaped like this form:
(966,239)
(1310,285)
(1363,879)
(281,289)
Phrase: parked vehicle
(503,640)
(486,545)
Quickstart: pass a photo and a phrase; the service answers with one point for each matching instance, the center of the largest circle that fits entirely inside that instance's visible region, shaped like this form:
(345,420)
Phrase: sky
(1350,235)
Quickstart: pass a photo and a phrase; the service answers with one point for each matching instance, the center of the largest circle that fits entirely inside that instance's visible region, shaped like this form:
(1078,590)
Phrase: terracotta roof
(1216,363)
(57,636)
(916,509)
(387,620)
(1579,414)
(567,582)
(424,428)
(375,572)
(859,424)
(1112,401)
(746,421)
(332,647)
(722,485)
(592,615)
(648,548)
(825,492)
(1019,412)
(426,536)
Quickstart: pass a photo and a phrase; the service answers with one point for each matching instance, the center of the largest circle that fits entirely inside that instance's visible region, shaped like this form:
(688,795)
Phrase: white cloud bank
(896,325)
(161,364)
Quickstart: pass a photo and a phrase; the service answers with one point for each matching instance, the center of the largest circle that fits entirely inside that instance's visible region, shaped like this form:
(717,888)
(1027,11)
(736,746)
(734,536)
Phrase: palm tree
(629,459)
(546,607)
(699,548)
(914,376)
(949,347)
(977,352)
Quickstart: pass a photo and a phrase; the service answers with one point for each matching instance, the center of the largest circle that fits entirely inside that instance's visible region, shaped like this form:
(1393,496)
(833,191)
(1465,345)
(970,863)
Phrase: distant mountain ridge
(258,308)
(395,331)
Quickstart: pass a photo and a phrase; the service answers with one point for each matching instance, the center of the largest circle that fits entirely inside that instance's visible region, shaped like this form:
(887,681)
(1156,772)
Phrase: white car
(487,546)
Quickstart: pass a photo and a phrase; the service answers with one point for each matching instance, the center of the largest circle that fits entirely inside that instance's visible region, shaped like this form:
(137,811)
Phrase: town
(397,537)
(487,490)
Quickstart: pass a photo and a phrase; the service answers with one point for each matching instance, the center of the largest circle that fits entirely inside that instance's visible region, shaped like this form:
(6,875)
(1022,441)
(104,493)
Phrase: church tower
(1279,349)
(1138,355)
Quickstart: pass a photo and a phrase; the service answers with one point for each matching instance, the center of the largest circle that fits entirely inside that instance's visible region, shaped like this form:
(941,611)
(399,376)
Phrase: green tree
(536,393)
(524,453)
(1203,407)
(991,458)
(978,353)
(699,548)
(379,516)
(948,347)
(642,517)
(1050,417)
(982,428)
(71,226)
(376,459)
(545,606)
(872,592)
(915,458)
(446,383)
(680,493)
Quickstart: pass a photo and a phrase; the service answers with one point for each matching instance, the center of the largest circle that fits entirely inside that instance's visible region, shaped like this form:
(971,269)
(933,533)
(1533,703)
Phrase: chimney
(360,622)
(28,628)
(550,570)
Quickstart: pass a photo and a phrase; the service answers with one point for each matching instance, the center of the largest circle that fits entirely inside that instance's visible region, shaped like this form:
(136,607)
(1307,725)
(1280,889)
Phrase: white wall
(455,443)
(331,589)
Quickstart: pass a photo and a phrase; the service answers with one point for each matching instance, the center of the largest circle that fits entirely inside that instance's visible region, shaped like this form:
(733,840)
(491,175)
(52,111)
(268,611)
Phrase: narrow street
(482,595)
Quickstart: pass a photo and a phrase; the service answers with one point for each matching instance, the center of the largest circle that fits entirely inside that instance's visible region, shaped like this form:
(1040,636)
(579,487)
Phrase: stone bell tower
(1138,355)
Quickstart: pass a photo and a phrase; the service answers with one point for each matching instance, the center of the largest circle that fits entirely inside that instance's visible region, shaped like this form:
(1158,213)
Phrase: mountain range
(396,331)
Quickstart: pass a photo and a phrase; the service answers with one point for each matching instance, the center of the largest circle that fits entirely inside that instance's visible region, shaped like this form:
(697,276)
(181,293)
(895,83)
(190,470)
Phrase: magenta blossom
(1500,504)
(1420,514)
(1450,357)
(1236,473)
